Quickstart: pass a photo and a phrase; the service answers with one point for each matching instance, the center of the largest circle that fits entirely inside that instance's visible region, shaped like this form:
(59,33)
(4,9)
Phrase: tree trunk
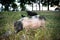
(48,5)
(32,6)
(39,5)
(36,7)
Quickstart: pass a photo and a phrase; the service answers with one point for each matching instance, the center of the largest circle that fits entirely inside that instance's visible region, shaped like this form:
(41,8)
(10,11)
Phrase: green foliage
(6,3)
(23,2)
(23,8)
(14,6)
(51,2)
(52,31)
(3,2)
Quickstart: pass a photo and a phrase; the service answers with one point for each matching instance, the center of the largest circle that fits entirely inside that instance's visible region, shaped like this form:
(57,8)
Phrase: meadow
(52,31)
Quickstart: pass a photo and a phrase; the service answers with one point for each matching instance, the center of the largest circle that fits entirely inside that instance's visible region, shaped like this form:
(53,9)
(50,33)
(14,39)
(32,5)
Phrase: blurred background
(31,5)
(11,10)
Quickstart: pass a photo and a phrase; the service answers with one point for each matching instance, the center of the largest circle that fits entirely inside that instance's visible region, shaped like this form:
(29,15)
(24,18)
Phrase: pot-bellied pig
(27,23)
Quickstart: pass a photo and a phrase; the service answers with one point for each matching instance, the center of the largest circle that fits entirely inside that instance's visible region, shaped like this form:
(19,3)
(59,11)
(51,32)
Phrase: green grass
(52,31)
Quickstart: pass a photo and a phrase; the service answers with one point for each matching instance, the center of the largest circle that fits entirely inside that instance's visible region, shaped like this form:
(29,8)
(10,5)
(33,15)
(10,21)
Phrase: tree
(6,3)
(50,2)
(14,6)
(23,2)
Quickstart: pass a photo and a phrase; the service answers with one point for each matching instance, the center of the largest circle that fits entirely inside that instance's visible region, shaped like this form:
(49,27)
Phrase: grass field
(52,31)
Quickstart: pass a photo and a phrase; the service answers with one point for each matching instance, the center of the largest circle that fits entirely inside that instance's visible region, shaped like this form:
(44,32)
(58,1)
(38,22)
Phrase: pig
(34,22)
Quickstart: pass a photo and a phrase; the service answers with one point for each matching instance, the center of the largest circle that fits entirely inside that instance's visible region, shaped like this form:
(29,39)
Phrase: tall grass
(52,26)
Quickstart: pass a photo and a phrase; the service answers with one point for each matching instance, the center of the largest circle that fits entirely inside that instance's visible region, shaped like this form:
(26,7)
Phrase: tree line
(8,3)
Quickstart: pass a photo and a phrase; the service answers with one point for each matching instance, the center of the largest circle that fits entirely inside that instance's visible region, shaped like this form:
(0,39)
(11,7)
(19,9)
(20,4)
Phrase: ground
(52,31)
